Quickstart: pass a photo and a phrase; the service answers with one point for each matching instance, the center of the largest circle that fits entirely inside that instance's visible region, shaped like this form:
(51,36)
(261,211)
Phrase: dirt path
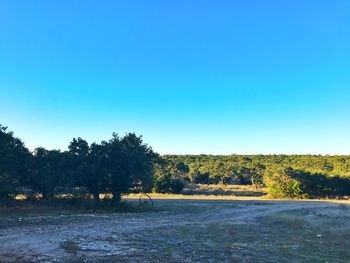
(98,237)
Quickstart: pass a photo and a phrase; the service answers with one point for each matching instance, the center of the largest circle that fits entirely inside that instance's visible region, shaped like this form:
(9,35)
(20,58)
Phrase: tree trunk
(96,197)
(116,199)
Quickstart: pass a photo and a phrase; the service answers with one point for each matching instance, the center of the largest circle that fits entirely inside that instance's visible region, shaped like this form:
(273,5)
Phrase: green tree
(129,164)
(79,164)
(14,164)
(97,179)
(49,172)
(281,184)
(169,176)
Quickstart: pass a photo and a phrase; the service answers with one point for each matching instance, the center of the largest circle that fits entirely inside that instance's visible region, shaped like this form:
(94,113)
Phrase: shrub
(200,178)
(281,184)
(168,185)
(296,183)
(169,176)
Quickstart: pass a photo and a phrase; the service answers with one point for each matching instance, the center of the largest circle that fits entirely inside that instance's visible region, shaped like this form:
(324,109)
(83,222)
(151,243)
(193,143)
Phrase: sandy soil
(175,231)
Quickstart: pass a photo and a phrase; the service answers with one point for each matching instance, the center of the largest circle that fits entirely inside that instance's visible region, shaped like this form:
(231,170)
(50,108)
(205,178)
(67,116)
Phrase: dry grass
(194,197)
(212,192)
(310,235)
(213,189)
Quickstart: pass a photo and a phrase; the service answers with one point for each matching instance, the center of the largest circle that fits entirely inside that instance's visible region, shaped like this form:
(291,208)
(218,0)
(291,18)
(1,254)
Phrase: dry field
(218,189)
(182,231)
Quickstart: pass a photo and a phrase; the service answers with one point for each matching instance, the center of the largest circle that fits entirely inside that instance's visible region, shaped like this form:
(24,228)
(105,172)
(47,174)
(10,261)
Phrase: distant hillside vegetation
(283,175)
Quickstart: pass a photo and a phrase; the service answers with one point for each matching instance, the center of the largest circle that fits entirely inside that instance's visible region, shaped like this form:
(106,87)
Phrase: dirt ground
(183,231)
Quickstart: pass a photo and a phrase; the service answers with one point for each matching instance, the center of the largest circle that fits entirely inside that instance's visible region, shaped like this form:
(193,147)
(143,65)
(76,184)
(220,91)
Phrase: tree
(49,172)
(79,163)
(14,163)
(129,164)
(97,178)
(252,174)
(198,177)
(140,157)
(281,184)
(169,176)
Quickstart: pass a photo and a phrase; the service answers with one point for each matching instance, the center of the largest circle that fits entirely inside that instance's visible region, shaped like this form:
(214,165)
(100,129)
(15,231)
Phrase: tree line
(126,164)
(115,166)
(283,175)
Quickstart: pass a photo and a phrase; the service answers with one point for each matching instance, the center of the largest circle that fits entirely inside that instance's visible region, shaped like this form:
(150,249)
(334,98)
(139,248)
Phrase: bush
(290,183)
(281,184)
(168,185)
(200,178)
(169,176)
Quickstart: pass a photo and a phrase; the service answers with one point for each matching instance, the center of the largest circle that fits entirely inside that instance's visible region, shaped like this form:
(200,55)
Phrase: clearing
(185,230)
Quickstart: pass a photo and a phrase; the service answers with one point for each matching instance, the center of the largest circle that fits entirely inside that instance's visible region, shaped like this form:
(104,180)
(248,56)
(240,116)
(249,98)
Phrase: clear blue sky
(197,76)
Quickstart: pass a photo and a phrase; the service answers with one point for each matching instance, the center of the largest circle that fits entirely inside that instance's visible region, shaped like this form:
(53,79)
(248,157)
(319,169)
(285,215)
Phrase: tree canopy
(116,166)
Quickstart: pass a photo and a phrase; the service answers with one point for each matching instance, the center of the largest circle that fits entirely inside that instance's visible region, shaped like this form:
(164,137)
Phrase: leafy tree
(281,184)
(79,163)
(198,177)
(253,173)
(169,176)
(97,178)
(293,183)
(49,172)
(14,163)
(140,158)
(129,164)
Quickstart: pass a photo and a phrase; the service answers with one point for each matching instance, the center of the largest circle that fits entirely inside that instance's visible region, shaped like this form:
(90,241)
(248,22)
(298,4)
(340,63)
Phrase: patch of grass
(303,235)
(284,219)
(310,235)
(223,190)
